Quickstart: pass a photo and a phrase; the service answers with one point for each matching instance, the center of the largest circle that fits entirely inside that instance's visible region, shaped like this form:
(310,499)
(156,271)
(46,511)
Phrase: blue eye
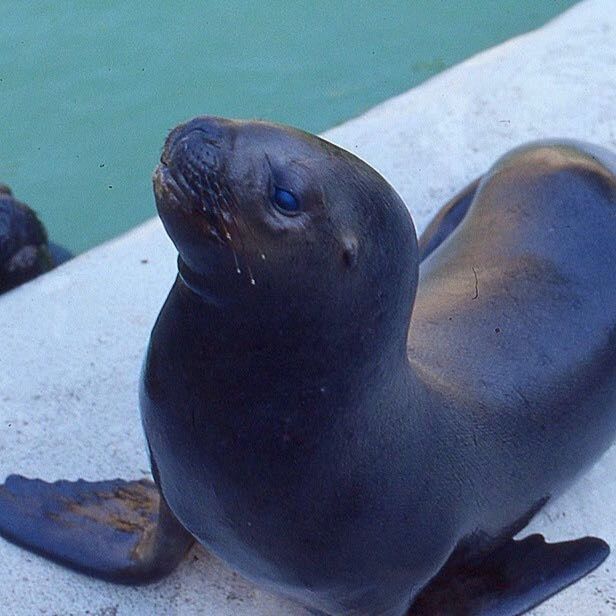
(285,201)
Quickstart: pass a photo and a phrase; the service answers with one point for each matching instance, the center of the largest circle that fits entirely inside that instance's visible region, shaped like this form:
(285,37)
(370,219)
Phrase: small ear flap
(350,249)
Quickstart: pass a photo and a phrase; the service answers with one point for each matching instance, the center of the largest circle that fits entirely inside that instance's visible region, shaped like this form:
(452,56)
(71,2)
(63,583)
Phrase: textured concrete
(72,341)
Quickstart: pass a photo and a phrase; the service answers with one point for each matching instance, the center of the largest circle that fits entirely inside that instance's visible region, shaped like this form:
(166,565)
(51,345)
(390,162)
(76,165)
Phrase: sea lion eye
(285,201)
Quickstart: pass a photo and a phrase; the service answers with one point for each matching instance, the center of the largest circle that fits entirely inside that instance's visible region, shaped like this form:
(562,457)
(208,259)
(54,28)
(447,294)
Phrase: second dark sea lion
(25,251)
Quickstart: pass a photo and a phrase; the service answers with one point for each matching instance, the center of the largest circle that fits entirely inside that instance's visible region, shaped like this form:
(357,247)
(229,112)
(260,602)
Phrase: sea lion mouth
(174,195)
(166,189)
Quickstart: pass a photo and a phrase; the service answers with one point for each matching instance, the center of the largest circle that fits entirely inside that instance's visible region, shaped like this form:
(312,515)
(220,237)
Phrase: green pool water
(89,90)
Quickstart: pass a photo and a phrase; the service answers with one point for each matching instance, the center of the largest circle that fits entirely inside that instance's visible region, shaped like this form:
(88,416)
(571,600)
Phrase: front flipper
(511,580)
(120,531)
(446,220)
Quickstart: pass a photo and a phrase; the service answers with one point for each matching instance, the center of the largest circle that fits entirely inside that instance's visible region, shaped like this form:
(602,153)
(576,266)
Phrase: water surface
(88,90)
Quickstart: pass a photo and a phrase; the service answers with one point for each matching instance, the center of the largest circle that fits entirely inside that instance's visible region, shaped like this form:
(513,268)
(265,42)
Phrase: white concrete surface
(72,341)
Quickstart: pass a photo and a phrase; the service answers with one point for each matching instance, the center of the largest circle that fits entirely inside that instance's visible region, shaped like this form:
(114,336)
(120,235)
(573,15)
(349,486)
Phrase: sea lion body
(528,278)
(341,455)
(293,488)
(346,427)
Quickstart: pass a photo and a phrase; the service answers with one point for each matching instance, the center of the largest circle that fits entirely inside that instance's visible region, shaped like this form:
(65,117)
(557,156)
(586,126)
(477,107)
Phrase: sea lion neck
(248,322)
(254,368)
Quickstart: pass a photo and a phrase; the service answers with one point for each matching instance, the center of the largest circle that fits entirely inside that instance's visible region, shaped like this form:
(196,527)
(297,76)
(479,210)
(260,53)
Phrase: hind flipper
(511,580)
(120,531)
(446,220)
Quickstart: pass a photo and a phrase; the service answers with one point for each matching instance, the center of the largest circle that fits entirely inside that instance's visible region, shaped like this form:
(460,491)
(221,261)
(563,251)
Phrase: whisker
(232,202)
(226,204)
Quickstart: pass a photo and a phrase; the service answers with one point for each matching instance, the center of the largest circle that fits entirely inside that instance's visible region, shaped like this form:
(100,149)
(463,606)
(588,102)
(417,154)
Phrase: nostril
(196,157)
(199,149)
(201,130)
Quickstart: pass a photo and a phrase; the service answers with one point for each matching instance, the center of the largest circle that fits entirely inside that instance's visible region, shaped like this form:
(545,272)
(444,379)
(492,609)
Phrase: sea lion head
(270,216)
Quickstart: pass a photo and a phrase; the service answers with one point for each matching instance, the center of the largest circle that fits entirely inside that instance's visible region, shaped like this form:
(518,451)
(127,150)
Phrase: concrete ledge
(72,341)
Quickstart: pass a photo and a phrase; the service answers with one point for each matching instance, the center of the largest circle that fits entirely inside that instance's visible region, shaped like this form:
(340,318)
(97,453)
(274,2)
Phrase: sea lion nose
(195,154)
(203,134)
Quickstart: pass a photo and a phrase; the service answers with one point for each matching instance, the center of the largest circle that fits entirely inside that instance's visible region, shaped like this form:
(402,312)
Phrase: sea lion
(25,251)
(324,442)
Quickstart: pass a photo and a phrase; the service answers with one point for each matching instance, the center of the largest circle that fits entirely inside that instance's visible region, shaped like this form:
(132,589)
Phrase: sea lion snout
(195,155)
(205,132)
(193,163)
